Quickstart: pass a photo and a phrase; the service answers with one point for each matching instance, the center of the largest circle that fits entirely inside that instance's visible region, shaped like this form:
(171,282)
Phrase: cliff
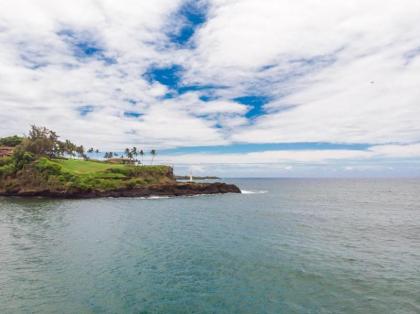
(69,178)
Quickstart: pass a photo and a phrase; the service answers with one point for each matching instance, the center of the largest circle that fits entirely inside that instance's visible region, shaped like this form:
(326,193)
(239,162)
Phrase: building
(6,151)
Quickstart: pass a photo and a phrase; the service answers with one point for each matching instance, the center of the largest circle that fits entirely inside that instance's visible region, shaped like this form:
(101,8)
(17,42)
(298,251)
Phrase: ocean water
(284,246)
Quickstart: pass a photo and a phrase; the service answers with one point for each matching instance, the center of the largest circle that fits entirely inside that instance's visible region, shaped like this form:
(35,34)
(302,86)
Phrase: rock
(171,189)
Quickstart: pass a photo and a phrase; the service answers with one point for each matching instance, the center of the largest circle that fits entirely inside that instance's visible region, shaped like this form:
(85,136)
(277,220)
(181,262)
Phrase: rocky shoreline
(171,189)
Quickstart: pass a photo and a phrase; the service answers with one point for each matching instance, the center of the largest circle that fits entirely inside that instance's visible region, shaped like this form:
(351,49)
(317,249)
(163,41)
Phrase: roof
(6,151)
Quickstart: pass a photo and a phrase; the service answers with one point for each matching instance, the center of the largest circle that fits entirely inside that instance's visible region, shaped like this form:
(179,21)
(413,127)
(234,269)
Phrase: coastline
(169,189)
(41,165)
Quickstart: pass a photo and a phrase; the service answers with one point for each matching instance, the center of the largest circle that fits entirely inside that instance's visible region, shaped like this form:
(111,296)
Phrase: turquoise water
(287,246)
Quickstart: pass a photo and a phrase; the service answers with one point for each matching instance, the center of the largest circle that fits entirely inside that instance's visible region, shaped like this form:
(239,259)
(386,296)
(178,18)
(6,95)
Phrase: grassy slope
(86,166)
(64,174)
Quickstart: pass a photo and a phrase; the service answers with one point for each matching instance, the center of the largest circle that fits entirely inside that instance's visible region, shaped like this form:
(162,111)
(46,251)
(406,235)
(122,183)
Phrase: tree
(69,148)
(90,150)
(21,157)
(153,152)
(134,151)
(108,155)
(81,151)
(127,152)
(142,155)
(130,153)
(42,142)
(11,141)
(97,151)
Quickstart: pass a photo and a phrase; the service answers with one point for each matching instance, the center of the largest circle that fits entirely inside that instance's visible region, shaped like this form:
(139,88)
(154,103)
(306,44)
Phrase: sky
(235,88)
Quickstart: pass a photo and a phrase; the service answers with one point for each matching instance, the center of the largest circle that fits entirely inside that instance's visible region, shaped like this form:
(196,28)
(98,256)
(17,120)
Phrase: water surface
(286,246)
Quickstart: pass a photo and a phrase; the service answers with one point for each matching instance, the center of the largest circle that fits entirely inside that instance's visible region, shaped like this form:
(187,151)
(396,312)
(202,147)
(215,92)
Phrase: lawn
(86,166)
(102,174)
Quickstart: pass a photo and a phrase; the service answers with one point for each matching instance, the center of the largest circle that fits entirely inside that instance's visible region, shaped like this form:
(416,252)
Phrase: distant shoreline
(75,178)
(38,165)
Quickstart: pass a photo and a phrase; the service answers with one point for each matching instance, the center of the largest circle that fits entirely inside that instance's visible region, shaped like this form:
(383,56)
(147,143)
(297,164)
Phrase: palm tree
(134,151)
(108,155)
(142,155)
(153,153)
(127,152)
(130,155)
(81,151)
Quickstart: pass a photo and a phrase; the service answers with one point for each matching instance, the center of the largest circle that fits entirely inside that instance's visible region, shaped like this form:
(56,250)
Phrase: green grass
(88,174)
(76,166)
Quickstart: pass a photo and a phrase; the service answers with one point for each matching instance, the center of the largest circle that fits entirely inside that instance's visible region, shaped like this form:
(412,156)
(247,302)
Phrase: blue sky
(225,87)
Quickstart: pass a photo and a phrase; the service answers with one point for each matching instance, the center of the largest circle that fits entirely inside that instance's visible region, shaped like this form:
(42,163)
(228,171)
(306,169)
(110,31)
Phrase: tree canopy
(11,141)
(44,142)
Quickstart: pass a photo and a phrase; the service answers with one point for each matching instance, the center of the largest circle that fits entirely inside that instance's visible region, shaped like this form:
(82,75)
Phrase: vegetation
(11,141)
(40,161)
(43,142)
(153,153)
(131,154)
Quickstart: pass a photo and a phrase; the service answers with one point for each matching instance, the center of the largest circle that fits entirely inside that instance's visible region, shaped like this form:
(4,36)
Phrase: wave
(156,197)
(253,192)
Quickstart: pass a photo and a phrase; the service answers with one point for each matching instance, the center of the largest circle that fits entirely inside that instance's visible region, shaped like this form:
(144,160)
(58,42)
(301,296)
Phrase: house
(6,151)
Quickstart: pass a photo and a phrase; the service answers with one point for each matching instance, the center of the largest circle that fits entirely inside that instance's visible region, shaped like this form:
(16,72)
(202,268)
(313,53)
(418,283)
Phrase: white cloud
(49,84)
(397,151)
(298,156)
(336,72)
(342,68)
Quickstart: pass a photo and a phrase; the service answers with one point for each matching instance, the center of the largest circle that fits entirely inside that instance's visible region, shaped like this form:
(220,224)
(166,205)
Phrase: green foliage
(140,171)
(44,142)
(21,157)
(6,160)
(64,174)
(38,163)
(11,141)
(48,167)
(86,166)
(7,170)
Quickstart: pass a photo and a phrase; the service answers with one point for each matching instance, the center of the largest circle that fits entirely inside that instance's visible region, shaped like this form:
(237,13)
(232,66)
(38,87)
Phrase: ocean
(283,246)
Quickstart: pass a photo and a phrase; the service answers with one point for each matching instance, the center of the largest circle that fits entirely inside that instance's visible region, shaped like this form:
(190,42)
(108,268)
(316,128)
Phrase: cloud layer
(169,74)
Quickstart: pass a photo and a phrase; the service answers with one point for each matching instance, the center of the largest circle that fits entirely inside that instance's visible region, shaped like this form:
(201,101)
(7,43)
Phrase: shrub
(11,141)
(22,157)
(47,167)
(122,171)
(5,160)
(7,170)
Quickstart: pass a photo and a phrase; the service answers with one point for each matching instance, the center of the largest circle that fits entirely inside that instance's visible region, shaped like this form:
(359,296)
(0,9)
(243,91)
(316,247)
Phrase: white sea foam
(147,197)
(253,192)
